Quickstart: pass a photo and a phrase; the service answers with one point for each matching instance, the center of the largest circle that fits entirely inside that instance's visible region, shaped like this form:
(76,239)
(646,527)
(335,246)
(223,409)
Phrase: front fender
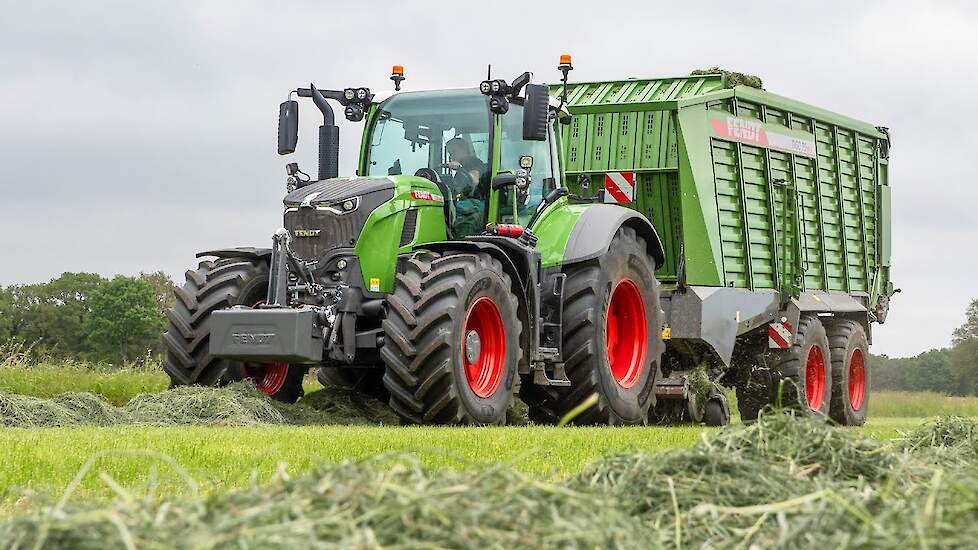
(247,252)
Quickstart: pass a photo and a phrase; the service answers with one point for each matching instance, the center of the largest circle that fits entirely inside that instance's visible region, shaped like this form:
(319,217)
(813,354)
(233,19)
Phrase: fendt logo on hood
(426,196)
(252,339)
(306,232)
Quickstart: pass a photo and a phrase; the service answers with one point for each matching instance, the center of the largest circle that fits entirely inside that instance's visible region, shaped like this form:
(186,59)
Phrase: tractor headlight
(349,94)
(341,265)
(362,94)
(341,207)
(485,87)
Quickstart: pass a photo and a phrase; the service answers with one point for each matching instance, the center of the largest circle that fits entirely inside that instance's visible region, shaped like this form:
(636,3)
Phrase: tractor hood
(337,190)
(331,214)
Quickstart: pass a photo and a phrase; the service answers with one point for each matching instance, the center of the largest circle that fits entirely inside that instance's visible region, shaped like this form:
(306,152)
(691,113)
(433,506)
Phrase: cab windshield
(442,136)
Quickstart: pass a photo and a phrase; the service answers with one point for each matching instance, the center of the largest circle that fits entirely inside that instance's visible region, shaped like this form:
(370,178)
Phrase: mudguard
(248,252)
(596,227)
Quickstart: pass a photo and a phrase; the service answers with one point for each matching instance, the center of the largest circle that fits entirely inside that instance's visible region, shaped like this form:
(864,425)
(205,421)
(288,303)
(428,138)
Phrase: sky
(133,134)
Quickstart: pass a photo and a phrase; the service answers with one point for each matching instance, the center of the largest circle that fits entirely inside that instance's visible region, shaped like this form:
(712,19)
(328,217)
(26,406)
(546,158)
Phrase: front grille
(335,230)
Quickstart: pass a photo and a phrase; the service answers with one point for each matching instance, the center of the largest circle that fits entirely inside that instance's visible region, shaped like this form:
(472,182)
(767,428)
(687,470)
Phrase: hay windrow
(238,404)
(781,482)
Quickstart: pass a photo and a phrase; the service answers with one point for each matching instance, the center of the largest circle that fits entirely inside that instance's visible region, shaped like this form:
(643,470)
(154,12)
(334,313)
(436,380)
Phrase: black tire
(424,330)
(850,354)
(366,381)
(790,369)
(587,292)
(213,286)
(716,412)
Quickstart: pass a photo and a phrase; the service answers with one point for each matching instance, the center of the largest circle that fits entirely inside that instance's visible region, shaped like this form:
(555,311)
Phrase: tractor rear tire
(451,340)
(801,376)
(612,339)
(366,381)
(213,286)
(851,380)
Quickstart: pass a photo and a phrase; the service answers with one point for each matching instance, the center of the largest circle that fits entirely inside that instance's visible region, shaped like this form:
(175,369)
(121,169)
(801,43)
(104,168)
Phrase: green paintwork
(745,188)
(378,246)
(553,229)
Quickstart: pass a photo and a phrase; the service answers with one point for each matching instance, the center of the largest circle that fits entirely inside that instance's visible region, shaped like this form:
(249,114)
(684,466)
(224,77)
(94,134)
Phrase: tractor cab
(454,139)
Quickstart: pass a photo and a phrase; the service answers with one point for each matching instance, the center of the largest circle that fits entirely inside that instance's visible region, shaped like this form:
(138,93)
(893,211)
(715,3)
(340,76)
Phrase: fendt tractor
(647,241)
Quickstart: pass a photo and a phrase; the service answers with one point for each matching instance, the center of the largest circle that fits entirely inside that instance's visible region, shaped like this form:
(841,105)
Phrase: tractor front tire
(850,373)
(612,339)
(451,340)
(213,286)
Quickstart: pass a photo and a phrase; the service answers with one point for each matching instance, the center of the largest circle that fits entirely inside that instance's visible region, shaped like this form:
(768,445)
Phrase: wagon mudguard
(596,227)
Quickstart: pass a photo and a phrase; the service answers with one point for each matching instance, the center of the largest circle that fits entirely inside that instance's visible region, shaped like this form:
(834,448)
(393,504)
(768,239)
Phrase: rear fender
(596,228)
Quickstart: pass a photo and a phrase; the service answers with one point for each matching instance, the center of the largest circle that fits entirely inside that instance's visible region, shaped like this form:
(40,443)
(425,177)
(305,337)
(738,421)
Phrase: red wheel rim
(815,378)
(626,334)
(483,347)
(269,377)
(857,379)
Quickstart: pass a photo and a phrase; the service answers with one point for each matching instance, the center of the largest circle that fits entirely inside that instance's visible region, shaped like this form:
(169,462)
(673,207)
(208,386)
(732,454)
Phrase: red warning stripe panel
(619,187)
(779,335)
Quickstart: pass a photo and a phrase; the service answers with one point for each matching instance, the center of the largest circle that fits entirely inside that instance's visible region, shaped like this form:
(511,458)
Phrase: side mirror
(503,179)
(288,127)
(535,115)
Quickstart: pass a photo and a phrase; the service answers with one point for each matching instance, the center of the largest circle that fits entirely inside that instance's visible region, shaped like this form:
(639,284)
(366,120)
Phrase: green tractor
(454,271)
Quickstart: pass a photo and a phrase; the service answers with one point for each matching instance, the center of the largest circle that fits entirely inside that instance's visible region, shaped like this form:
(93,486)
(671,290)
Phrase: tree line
(88,317)
(952,370)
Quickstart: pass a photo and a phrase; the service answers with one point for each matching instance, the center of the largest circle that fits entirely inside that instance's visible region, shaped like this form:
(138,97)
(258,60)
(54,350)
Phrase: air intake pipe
(329,137)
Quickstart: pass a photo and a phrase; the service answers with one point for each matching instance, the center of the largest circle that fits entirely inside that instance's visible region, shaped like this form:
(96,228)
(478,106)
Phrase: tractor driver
(470,171)
(469,187)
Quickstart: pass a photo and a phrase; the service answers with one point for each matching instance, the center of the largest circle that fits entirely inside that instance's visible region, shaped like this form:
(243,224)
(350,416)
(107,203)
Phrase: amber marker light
(397,75)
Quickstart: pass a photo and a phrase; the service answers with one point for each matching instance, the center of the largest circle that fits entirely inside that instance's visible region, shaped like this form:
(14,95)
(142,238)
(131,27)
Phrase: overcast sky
(133,134)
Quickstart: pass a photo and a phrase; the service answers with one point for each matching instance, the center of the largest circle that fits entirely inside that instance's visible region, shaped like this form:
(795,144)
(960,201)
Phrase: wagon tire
(801,375)
(851,380)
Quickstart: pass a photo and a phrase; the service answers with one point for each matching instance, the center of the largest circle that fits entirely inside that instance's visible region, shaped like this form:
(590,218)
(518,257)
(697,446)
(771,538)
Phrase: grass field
(46,460)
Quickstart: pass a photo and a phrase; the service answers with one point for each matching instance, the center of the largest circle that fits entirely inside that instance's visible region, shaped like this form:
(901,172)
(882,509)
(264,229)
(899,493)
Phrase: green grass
(116,385)
(46,460)
(886,404)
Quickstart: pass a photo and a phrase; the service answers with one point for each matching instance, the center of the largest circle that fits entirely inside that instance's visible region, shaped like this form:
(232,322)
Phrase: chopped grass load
(783,481)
